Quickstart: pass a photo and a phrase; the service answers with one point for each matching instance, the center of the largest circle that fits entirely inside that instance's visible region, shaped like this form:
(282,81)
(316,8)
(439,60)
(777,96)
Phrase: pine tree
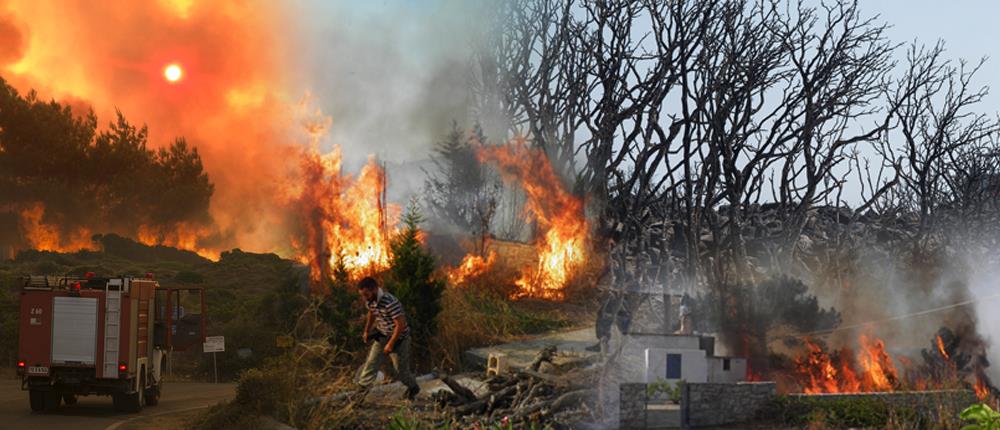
(411,279)
(460,189)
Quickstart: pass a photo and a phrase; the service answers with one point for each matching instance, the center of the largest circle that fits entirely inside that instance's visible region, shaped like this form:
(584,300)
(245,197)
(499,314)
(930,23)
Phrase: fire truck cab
(104,336)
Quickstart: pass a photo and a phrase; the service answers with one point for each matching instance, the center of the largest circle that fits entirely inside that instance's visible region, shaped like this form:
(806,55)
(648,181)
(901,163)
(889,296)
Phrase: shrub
(411,279)
(260,391)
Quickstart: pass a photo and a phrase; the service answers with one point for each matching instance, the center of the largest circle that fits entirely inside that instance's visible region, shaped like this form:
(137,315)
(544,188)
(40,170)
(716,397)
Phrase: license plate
(37,370)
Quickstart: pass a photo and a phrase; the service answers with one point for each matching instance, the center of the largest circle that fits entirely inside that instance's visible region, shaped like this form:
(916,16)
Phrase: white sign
(215,344)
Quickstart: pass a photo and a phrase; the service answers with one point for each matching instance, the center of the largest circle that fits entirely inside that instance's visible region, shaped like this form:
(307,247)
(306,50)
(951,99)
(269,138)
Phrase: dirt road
(96,413)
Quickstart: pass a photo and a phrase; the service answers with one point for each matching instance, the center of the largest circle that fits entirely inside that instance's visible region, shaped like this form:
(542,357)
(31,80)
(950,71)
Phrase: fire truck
(103,336)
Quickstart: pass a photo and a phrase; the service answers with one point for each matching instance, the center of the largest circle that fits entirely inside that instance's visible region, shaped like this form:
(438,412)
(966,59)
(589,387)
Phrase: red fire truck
(105,336)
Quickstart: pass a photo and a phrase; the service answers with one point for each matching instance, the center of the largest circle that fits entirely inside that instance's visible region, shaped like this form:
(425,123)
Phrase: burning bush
(948,364)
(563,230)
(345,221)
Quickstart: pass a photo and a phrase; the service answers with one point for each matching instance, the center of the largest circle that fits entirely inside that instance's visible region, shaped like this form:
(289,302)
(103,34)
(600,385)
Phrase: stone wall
(632,406)
(717,404)
(714,404)
(929,404)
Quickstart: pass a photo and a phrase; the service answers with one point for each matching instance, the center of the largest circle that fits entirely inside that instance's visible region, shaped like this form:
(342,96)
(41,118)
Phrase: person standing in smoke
(685,316)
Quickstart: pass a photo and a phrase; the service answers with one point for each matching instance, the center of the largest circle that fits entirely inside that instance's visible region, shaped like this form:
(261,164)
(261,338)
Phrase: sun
(173,73)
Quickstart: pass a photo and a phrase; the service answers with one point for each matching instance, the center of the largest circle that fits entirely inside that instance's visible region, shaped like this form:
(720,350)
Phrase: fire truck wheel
(52,400)
(37,400)
(69,399)
(153,394)
(129,402)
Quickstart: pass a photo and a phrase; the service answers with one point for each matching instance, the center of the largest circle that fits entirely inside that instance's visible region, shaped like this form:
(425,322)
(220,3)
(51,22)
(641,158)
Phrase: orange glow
(181,236)
(472,266)
(561,223)
(346,219)
(173,73)
(819,372)
(48,237)
(215,74)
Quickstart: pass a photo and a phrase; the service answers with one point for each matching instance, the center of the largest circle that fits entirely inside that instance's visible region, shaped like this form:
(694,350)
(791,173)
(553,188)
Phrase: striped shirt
(386,309)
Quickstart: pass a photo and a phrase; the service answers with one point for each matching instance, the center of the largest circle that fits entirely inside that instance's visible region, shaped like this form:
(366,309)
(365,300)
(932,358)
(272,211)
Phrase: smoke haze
(389,78)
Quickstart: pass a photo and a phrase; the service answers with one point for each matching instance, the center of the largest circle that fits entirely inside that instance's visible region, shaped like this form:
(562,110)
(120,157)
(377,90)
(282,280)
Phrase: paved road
(96,412)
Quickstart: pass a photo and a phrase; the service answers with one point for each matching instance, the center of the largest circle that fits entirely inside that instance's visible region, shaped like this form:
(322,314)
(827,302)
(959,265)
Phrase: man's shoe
(411,393)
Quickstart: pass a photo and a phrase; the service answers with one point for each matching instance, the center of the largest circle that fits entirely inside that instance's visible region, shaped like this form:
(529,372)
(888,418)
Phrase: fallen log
(485,403)
(571,398)
(465,395)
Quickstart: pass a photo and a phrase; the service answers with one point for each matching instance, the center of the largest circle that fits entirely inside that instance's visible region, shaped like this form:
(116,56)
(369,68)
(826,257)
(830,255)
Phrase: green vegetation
(672,390)
(259,393)
(411,278)
(848,412)
(982,417)
(404,421)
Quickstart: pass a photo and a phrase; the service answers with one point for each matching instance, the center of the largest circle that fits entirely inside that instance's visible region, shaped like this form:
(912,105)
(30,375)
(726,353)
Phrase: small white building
(675,357)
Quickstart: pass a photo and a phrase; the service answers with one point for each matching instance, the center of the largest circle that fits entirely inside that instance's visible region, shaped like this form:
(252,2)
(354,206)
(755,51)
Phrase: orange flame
(820,373)
(880,373)
(48,237)
(346,219)
(181,236)
(940,347)
(559,215)
(982,390)
(471,266)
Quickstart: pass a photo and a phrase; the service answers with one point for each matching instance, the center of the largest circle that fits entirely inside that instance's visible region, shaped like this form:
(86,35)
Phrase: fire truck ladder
(112,326)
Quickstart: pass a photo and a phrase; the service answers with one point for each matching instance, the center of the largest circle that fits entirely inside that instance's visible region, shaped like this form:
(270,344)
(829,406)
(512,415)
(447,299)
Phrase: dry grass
(480,313)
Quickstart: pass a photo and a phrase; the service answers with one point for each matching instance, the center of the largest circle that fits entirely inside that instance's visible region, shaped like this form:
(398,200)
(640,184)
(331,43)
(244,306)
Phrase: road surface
(96,413)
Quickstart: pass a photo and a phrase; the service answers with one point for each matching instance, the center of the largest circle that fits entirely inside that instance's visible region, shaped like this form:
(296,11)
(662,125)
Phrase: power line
(896,318)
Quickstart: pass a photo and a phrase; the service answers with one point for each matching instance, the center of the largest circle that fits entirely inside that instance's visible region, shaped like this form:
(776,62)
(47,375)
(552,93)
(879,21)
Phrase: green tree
(341,310)
(108,181)
(461,189)
(411,279)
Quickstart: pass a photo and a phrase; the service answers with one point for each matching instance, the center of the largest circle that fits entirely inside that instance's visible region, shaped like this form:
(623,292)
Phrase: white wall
(694,365)
(633,356)
(737,369)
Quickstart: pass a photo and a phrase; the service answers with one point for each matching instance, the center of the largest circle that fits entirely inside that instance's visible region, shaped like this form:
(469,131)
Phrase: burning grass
(819,370)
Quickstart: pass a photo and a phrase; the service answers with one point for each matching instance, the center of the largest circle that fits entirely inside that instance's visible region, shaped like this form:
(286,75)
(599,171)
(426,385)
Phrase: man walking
(386,327)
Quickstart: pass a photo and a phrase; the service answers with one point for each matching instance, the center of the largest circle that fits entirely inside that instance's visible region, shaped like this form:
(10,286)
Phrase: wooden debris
(522,396)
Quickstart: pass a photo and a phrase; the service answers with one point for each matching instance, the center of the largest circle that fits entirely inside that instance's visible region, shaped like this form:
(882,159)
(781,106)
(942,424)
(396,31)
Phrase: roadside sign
(215,344)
